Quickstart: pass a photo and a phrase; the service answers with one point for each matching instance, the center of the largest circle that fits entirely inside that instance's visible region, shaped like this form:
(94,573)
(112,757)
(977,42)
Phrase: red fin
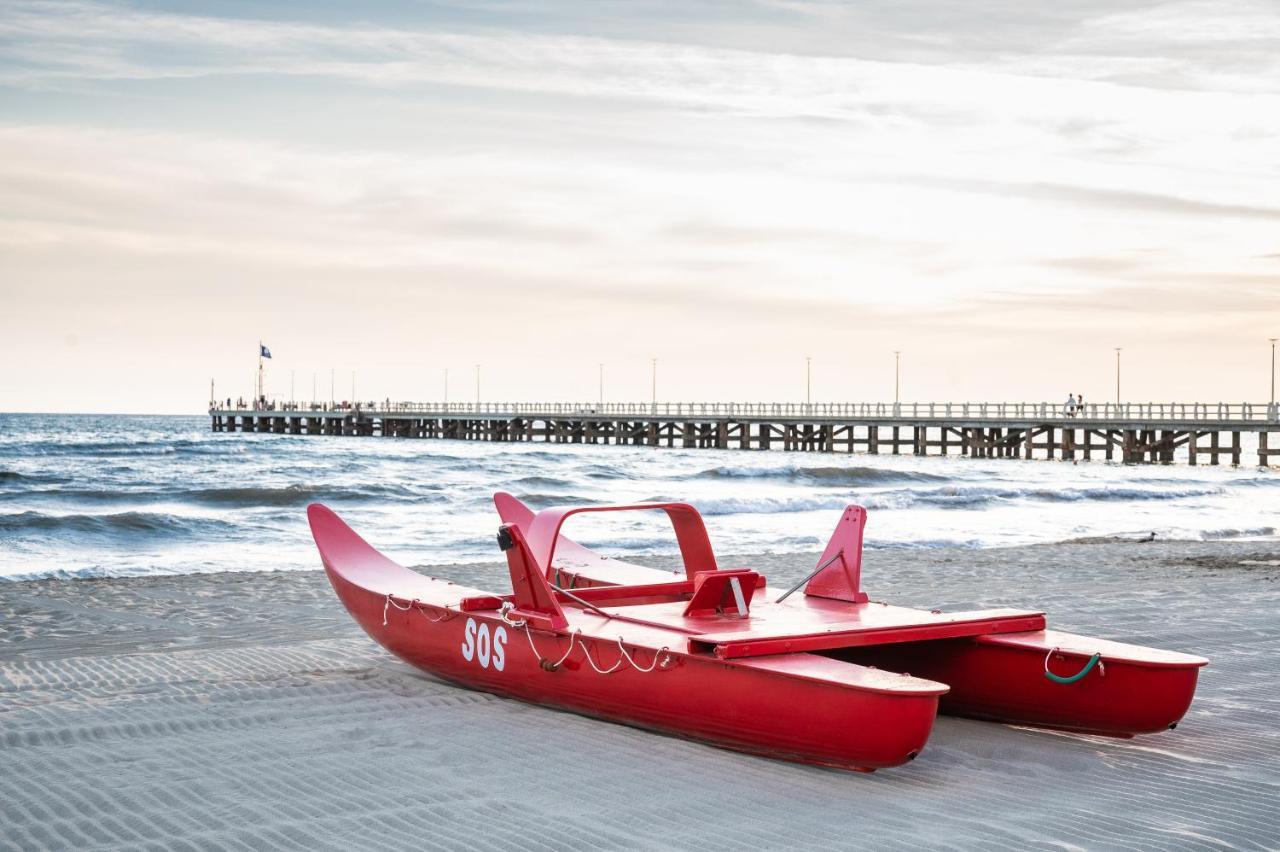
(842,579)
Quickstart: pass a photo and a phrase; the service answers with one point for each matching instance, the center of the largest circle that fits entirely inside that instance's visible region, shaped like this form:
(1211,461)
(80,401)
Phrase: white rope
(661,658)
(413,604)
(661,654)
(542,661)
(587,653)
(390,602)
(507,606)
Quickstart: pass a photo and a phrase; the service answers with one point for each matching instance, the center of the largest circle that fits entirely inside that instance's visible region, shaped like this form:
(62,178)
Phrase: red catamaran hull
(1001,679)
(850,716)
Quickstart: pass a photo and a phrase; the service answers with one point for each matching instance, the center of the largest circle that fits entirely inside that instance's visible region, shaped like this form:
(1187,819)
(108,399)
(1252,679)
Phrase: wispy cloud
(958,173)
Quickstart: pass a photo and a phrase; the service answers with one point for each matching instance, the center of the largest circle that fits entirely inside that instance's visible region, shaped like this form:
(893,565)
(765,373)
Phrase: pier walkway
(1129,432)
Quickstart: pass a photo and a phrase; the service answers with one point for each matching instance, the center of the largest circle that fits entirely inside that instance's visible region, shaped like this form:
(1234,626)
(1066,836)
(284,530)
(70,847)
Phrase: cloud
(1095,197)
(688,176)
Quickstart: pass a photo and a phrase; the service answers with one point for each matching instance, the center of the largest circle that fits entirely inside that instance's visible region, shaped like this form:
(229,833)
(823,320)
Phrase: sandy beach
(246,711)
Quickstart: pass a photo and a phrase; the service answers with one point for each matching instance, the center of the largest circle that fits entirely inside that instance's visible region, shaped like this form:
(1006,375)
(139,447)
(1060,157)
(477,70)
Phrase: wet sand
(246,711)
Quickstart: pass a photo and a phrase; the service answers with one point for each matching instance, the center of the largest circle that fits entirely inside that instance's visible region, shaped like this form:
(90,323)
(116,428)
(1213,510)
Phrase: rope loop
(661,658)
(390,602)
(1095,660)
(507,606)
(413,604)
(662,654)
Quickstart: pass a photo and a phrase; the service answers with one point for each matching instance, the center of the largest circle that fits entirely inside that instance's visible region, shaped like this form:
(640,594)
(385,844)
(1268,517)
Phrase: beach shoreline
(247,710)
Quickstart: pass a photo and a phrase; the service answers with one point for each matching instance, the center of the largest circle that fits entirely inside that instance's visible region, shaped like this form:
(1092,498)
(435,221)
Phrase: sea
(90,496)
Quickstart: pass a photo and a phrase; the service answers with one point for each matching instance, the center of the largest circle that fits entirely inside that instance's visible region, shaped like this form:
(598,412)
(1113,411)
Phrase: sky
(1003,192)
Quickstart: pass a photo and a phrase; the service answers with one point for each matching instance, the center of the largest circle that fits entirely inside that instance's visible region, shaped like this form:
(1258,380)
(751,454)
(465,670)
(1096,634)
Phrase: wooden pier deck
(1133,433)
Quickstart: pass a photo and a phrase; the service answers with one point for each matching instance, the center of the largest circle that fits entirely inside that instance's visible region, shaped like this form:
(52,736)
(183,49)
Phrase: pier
(1133,433)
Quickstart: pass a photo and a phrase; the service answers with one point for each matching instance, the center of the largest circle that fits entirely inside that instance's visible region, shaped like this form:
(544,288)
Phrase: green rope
(1088,667)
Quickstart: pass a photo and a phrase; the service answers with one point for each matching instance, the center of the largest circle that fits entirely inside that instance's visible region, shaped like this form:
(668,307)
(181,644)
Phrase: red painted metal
(842,579)
(691,533)
(997,676)
(715,594)
(534,600)
(860,631)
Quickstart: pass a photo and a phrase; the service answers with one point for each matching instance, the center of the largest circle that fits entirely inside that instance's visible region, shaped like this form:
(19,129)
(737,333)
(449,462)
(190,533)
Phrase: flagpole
(258,401)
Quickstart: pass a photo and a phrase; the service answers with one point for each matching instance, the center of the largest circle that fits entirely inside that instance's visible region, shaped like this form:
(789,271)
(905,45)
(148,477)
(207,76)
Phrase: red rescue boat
(715,655)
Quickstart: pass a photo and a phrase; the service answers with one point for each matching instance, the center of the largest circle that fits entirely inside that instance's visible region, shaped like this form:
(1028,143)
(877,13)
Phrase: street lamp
(477,387)
(653,383)
(897,372)
(602,386)
(1273,370)
(808,380)
(1118,350)
(446,388)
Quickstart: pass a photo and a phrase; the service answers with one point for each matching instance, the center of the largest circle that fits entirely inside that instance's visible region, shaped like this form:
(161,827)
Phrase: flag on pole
(264,351)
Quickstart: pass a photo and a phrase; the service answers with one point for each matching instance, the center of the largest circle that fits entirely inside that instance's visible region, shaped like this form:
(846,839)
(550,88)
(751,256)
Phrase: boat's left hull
(789,709)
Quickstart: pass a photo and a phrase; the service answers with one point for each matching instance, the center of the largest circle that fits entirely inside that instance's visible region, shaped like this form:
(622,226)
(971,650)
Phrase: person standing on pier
(1069,407)
(1080,404)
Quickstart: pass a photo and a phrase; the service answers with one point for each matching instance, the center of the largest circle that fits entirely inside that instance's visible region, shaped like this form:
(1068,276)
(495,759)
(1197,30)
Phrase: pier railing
(1243,412)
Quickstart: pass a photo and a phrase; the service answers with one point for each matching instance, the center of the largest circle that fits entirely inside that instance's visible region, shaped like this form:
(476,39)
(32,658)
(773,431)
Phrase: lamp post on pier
(602,386)
(897,375)
(1273,370)
(808,381)
(1118,350)
(653,384)
(477,387)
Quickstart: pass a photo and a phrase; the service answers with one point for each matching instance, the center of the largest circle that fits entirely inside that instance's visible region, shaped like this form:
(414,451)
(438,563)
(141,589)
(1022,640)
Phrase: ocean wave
(92,450)
(601,471)
(12,477)
(542,501)
(948,497)
(1220,535)
(298,495)
(1104,493)
(128,523)
(540,482)
(957,496)
(243,496)
(761,505)
(823,475)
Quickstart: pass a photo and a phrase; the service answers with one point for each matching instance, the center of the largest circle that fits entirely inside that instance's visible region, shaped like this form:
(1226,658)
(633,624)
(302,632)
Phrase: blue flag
(264,351)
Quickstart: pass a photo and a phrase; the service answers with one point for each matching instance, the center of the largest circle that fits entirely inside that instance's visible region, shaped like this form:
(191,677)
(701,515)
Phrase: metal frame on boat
(717,655)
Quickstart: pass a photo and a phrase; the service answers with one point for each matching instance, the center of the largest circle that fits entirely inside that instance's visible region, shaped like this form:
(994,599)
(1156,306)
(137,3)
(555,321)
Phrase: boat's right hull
(1002,679)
